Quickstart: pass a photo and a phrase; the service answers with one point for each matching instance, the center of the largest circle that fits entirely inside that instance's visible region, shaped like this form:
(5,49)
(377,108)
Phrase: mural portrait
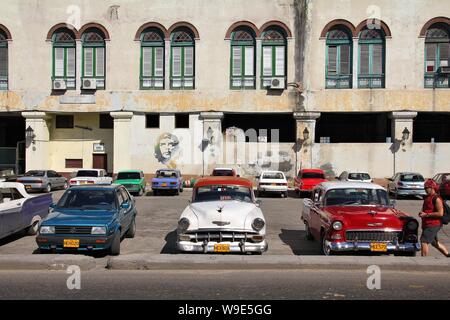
(167,147)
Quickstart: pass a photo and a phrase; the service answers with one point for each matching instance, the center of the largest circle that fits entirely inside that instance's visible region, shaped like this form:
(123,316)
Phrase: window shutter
(59,62)
(176,61)
(267,61)
(332,60)
(237,60)
(345,59)
(88,62)
(189,61)
(147,60)
(159,61)
(3,62)
(377,59)
(249,61)
(444,49)
(431,56)
(71,62)
(100,62)
(364,59)
(279,61)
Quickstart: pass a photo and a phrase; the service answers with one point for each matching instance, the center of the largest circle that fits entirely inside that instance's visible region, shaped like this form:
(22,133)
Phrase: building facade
(256,84)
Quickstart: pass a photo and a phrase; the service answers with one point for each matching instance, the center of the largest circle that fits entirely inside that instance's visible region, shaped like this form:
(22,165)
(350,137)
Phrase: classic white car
(222,217)
(272,182)
(90,176)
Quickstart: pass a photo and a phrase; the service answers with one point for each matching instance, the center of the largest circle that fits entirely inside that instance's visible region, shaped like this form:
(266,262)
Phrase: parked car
(89,218)
(224,172)
(357,216)
(222,217)
(20,210)
(7,175)
(307,179)
(43,180)
(443,180)
(355,176)
(132,180)
(272,182)
(407,184)
(90,176)
(169,180)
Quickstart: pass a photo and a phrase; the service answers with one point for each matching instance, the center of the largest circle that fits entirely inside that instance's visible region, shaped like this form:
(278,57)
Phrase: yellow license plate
(274,184)
(71,243)
(221,248)
(164,184)
(378,247)
(27,187)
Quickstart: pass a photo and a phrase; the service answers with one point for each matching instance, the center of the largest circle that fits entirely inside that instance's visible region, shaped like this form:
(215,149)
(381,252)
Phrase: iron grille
(72,230)
(373,236)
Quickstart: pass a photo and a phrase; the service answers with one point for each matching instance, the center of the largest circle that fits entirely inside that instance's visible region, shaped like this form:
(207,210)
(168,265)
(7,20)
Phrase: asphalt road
(158,216)
(224,285)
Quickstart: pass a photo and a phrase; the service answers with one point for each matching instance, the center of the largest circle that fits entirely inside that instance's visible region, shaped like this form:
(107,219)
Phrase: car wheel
(33,229)
(132,230)
(48,188)
(65,186)
(177,192)
(115,246)
(181,190)
(326,250)
(283,195)
(309,235)
(286,194)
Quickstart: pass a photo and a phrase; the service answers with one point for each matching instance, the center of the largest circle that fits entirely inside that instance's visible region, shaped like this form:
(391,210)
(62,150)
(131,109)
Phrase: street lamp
(298,145)
(29,134)
(405,135)
(305,134)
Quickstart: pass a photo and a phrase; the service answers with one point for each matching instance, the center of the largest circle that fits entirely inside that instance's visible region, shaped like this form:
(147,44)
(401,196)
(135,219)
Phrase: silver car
(43,180)
(407,184)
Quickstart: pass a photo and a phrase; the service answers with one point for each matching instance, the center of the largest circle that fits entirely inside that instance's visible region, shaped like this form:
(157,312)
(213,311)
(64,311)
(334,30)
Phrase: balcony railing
(152,83)
(371,81)
(3,83)
(242,82)
(433,80)
(339,82)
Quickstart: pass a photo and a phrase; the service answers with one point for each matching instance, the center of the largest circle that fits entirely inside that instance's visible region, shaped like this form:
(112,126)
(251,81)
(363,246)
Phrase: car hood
(233,215)
(79,217)
(366,217)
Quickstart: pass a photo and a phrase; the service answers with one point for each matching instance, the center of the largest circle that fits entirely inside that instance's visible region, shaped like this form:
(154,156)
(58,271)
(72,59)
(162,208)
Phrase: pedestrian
(432,211)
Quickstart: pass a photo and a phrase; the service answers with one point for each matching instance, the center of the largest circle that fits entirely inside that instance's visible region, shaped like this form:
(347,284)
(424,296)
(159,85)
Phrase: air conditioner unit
(444,70)
(277,83)
(59,84)
(89,83)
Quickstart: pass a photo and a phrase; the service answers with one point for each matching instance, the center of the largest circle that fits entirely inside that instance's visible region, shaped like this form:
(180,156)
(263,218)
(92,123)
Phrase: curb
(212,262)
(45,262)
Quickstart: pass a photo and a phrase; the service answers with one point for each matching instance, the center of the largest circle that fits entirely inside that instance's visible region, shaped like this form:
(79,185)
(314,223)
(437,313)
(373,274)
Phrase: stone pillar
(212,130)
(302,147)
(258,64)
(122,138)
(355,63)
(167,64)
(37,152)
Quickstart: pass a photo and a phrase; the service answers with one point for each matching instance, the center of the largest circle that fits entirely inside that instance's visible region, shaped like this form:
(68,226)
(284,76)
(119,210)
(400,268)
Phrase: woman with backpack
(431,214)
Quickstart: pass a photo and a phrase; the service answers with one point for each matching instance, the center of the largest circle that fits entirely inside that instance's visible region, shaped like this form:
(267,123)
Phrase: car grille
(72,230)
(129,186)
(220,236)
(373,236)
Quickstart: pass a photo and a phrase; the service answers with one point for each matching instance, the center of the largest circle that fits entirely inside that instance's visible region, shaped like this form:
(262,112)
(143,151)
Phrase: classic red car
(443,180)
(307,179)
(358,216)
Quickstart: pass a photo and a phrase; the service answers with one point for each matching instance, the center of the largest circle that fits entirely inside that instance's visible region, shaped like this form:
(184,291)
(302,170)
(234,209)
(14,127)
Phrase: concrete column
(212,130)
(399,147)
(167,64)
(258,63)
(37,152)
(355,63)
(122,138)
(302,147)
(79,61)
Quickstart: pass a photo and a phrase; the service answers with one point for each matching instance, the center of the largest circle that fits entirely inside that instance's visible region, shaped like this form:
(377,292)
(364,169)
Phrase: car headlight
(412,225)
(183,224)
(258,224)
(47,230)
(337,225)
(98,230)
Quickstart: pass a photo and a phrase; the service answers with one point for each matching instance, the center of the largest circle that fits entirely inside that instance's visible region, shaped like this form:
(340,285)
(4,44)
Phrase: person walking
(431,214)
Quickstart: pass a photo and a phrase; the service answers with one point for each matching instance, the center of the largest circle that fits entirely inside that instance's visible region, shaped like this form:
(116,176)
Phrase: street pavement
(158,216)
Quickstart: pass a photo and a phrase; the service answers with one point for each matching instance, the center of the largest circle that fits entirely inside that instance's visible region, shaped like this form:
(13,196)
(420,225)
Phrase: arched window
(437,55)
(273,56)
(3,60)
(64,59)
(339,58)
(182,59)
(371,58)
(242,59)
(94,59)
(152,59)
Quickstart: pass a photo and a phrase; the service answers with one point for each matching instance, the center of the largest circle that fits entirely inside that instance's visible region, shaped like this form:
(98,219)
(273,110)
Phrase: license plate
(164,184)
(274,184)
(221,248)
(27,187)
(378,247)
(71,243)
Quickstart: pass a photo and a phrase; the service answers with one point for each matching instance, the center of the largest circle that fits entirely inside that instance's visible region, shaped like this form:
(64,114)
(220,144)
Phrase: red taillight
(173,183)
(399,184)
(72,182)
(90,182)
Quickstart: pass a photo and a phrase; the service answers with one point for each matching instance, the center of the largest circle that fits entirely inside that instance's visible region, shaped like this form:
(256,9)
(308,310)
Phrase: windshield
(222,193)
(412,178)
(128,176)
(35,173)
(312,175)
(166,174)
(87,173)
(273,175)
(356,196)
(358,176)
(224,173)
(88,200)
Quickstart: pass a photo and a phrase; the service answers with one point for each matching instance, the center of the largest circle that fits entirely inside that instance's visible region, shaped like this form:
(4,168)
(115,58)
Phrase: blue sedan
(89,218)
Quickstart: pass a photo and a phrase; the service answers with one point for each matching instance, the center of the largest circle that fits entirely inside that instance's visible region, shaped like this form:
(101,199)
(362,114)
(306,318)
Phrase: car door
(128,216)
(51,178)
(59,180)
(315,213)
(10,211)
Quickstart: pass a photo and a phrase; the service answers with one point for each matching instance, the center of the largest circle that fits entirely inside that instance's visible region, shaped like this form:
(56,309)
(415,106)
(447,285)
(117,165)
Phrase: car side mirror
(125,205)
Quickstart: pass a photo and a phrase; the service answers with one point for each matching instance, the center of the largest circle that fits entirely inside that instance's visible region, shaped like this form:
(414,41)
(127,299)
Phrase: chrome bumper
(365,246)
(208,247)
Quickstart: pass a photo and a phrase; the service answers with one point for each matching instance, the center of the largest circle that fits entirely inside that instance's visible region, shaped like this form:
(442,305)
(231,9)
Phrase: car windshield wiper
(350,202)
